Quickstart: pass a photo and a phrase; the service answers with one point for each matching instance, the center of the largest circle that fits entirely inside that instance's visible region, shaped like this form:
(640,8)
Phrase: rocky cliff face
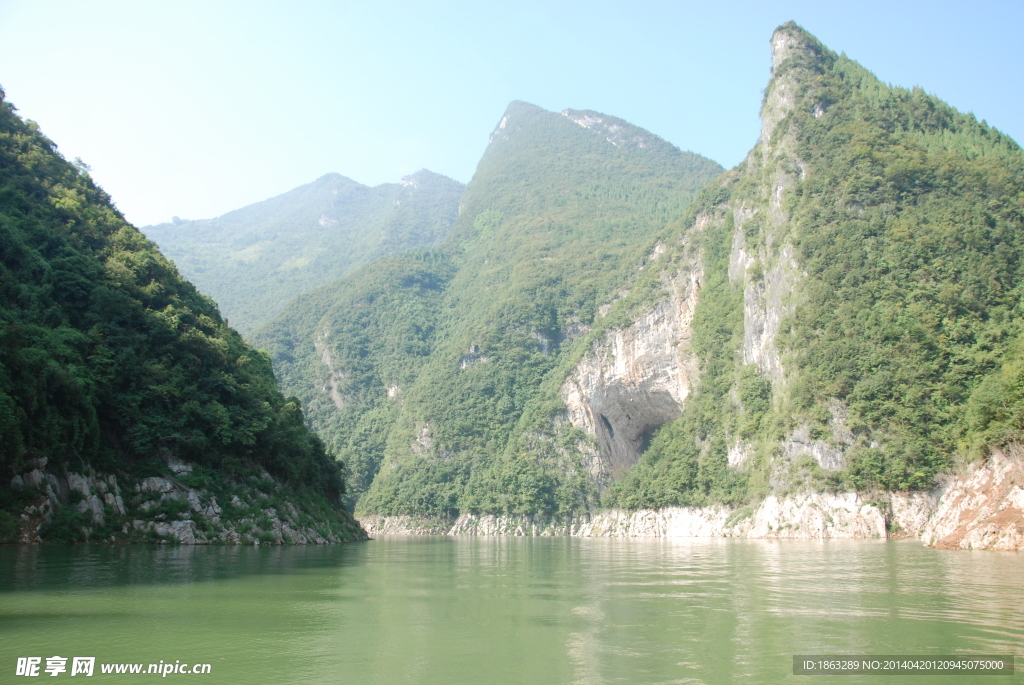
(637,378)
(762,251)
(640,376)
(980,509)
(165,509)
(810,515)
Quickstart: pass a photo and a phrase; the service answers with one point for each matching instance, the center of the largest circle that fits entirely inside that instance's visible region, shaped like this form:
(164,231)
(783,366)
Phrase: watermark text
(33,666)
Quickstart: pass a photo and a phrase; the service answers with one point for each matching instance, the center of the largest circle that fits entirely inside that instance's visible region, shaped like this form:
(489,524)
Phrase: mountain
(127,405)
(430,373)
(840,313)
(859,311)
(254,260)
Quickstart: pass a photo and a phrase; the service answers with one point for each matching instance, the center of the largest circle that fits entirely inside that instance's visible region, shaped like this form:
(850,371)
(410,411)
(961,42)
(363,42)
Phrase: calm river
(508,610)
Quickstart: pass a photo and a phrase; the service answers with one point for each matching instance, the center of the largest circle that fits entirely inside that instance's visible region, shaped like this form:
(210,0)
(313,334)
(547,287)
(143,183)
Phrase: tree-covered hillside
(884,232)
(841,311)
(109,360)
(253,260)
(422,370)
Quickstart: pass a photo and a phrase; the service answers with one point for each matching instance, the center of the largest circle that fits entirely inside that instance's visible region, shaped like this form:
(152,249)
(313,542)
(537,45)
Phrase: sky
(193,109)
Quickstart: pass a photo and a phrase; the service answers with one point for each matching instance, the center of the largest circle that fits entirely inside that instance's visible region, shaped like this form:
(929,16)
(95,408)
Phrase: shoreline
(982,508)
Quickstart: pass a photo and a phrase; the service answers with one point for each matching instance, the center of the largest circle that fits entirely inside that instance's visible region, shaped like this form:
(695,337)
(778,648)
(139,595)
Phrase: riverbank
(981,508)
(184,505)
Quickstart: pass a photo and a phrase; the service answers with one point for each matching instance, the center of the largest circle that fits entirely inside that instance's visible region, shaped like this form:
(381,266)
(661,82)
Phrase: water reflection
(505,610)
(26,567)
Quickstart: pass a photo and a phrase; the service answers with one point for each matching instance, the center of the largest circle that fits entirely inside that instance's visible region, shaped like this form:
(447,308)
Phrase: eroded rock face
(403,525)
(166,510)
(800,516)
(334,379)
(983,508)
(910,512)
(769,274)
(787,43)
(636,379)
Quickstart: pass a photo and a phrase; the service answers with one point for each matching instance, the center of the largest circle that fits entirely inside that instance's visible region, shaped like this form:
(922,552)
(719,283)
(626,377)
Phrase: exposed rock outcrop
(99,507)
(808,515)
(981,509)
(636,379)
(616,131)
(404,525)
(335,379)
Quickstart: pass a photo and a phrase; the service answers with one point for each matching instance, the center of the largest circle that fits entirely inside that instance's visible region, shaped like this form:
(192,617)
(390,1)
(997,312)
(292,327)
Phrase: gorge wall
(636,379)
(828,326)
(982,508)
(767,374)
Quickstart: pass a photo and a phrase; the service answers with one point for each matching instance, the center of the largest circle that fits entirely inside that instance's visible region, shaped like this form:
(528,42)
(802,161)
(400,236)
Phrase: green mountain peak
(255,259)
(792,44)
(862,274)
(421,367)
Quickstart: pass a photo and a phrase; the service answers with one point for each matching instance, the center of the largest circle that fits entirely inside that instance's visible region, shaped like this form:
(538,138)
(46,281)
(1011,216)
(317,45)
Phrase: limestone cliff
(982,508)
(814,430)
(170,508)
(636,378)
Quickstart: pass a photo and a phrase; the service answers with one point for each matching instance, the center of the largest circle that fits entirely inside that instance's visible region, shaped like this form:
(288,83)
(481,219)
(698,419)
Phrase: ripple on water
(549,610)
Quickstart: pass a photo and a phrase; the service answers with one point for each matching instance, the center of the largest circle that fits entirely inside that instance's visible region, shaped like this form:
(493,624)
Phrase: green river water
(508,610)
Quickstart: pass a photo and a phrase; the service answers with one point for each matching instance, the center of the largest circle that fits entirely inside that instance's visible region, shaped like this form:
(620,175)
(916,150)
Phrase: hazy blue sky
(196,108)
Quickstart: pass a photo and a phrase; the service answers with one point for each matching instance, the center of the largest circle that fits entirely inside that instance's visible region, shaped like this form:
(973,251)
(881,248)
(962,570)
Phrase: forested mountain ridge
(841,312)
(860,310)
(253,260)
(113,366)
(432,362)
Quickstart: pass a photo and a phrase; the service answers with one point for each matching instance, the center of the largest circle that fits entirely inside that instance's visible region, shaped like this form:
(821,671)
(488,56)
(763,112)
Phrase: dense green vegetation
(907,221)
(910,228)
(109,359)
(253,260)
(903,218)
(686,462)
(447,363)
(882,227)
(379,329)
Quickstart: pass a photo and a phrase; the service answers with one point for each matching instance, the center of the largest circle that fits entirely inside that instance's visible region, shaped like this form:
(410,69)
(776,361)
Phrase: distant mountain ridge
(421,370)
(255,259)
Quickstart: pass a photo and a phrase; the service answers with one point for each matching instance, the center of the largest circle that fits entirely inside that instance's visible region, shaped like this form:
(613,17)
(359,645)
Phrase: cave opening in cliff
(644,439)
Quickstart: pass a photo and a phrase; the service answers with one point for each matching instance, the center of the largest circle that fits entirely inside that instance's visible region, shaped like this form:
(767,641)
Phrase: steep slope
(114,367)
(839,313)
(254,260)
(831,324)
(859,309)
(425,371)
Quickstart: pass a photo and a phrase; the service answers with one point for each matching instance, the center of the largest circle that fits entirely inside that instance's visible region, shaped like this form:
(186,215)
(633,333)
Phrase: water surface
(509,610)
